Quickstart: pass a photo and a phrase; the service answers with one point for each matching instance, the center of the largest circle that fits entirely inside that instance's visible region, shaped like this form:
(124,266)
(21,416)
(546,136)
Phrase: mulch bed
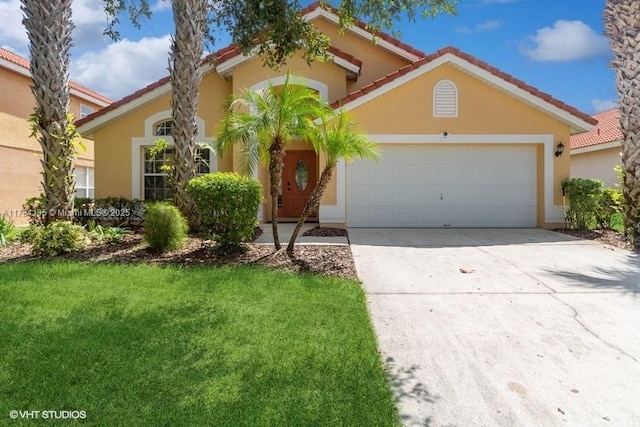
(326,232)
(328,260)
(607,237)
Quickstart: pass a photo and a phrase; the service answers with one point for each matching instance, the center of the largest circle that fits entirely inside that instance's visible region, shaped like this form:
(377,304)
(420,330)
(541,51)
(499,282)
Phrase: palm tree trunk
(312,204)
(184,67)
(276,164)
(623,29)
(48,24)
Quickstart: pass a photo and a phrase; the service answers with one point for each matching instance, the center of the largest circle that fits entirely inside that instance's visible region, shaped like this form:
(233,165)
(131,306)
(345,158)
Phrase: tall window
(445,99)
(156,180)
(84,182)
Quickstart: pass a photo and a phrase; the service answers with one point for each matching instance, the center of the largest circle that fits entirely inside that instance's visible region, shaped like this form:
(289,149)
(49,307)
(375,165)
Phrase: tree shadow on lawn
(407,389)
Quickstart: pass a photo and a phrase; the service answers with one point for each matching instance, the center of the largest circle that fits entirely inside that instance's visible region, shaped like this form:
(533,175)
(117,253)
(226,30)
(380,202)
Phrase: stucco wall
(20,168)
(482,109)
(597,164)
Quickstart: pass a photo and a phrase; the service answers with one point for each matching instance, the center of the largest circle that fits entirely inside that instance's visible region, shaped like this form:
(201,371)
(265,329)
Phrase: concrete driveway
(510,327)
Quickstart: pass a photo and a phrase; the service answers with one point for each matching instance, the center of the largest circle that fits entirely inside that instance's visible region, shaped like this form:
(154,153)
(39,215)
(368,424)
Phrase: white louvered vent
(445,99)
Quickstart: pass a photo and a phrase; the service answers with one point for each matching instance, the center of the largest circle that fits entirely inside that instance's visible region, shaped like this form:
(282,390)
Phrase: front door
(298,181)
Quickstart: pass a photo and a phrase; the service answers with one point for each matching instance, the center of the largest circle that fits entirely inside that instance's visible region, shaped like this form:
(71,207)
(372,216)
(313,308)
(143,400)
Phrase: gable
(481,109)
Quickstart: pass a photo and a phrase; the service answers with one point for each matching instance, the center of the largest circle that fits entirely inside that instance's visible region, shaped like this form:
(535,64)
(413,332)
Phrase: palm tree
(49,27)
(190,17)
(335,139)
(622,26)
(264,122)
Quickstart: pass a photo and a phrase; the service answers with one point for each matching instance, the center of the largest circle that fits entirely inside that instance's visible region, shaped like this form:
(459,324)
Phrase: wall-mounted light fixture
(559,149)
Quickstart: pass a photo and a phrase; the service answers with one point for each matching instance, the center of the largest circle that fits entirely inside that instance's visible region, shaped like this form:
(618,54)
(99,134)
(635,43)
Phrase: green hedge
(228,205)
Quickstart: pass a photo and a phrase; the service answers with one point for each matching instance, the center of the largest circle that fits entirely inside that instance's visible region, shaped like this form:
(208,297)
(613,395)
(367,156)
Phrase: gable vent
(445,99)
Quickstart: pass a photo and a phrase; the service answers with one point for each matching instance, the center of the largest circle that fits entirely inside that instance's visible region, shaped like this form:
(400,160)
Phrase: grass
(152,346)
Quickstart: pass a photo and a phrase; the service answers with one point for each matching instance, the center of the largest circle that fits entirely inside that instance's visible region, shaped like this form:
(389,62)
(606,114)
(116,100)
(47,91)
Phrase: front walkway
(285,230)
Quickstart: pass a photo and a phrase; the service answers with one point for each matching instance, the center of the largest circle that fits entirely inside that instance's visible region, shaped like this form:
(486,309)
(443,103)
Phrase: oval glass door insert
(302,175)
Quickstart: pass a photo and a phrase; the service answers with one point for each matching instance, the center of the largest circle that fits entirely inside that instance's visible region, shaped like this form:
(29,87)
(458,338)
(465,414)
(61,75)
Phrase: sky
(557,46)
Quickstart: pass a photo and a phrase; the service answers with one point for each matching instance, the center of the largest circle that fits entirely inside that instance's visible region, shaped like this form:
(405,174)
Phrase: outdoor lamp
(559,149)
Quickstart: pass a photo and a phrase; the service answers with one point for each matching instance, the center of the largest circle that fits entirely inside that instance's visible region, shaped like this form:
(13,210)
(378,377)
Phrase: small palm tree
(623,29)
(264,122)
(336,139)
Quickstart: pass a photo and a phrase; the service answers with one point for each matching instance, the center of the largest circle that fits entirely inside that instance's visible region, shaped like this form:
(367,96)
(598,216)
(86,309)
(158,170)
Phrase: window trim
(86,187)
(435,98)
(83,115)
(149,139)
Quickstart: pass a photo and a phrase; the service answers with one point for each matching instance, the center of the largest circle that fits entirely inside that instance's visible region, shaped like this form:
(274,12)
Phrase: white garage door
(436,186)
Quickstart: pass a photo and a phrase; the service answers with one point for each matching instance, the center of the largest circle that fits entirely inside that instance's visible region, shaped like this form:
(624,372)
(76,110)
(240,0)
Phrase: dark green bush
(58,238)
(228,205)
(164,227)
(584,196)
(609,204)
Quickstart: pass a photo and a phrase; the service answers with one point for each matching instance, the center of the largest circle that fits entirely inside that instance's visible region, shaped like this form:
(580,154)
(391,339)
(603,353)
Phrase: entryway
(298,181)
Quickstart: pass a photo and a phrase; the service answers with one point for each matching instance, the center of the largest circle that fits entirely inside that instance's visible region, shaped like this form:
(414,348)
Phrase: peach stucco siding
(20,154)
(597,164)
(399,109)
(482,109)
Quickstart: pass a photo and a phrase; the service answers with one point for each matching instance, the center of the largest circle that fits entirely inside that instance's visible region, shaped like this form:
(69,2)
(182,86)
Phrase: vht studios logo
(48,415)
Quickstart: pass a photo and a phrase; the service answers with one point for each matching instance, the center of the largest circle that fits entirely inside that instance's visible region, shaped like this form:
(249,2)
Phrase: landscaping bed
(606,237)
(330,260)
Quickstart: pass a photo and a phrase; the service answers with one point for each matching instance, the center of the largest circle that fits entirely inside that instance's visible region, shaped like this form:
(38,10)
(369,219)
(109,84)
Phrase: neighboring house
(20,154)
(595,153)
(463,144)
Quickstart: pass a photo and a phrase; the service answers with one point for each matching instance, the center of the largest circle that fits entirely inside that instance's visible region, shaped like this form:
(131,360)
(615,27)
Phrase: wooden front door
(298,181)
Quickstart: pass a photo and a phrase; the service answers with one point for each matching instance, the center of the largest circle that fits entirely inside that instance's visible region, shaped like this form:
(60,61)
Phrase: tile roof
(218,57)
(360,24)
(607,130)
(471,59)
(24,63)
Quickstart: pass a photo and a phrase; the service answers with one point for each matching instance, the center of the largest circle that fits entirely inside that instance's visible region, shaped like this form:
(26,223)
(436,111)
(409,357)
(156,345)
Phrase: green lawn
(152,346)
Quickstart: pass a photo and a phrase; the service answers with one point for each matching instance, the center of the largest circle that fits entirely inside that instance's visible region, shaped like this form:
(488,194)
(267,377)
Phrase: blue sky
(555,46)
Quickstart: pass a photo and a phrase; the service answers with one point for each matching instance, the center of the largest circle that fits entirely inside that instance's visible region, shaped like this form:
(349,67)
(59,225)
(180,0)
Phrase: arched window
(445,99)
(163,128)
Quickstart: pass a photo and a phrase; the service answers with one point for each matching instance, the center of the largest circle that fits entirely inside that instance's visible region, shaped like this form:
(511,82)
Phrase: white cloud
(161,6)
(87,15)
(600,105)
(123,67)
(12,32)
(565,41)
(489,25)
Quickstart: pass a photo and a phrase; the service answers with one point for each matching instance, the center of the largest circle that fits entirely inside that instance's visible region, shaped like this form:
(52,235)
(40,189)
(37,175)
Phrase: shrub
(108,235)
(35,208)
(108,211)
(7,230)
(228,205)
(609,205)
(584,196)
(30,234)
(164,227)
(58,238)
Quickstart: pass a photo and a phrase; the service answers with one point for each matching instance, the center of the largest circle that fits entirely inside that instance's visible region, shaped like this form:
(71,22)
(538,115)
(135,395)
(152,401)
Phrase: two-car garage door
(444,186)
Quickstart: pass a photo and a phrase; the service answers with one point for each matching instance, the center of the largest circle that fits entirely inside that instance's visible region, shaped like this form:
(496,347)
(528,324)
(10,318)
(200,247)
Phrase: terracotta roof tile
(471,59)
(607,130)
(344,55)
(360,24)
(24,63)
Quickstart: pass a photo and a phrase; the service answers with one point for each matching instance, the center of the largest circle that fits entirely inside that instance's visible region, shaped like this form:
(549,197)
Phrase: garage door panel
(437,186)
